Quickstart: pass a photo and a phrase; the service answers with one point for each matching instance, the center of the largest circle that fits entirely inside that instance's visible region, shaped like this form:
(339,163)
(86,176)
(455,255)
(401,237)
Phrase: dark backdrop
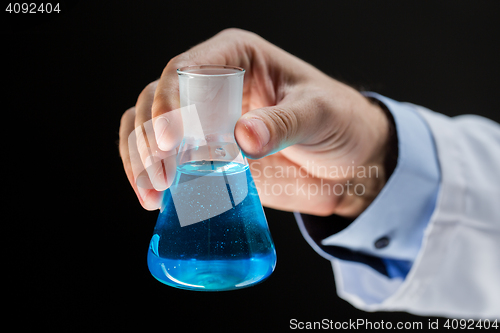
(82,238)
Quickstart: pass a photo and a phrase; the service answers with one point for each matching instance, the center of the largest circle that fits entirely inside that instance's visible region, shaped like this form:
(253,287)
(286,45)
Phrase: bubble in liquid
(220,152)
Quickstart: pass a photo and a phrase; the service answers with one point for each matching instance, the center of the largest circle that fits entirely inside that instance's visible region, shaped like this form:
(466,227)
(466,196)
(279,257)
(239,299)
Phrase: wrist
(385,148)
(391,146)
(381,153)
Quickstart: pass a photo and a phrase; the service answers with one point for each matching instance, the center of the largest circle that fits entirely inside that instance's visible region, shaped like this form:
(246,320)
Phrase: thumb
(267,130)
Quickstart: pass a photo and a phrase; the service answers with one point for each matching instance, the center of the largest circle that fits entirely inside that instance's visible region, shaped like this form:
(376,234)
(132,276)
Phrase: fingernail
(160,127)
(260,130)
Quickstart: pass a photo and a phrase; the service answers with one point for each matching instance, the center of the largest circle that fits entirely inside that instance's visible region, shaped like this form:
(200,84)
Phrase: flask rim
(191,70)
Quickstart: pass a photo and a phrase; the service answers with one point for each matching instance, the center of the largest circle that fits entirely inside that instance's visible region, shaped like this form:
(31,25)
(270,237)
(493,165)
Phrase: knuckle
(127,116)
(238,34)
(175,61)
(232,31)
(285,122)
(182,59)
(148,92)
(318,101)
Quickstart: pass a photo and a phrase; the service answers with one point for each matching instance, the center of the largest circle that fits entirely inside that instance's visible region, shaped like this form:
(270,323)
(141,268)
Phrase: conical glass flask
(211,233)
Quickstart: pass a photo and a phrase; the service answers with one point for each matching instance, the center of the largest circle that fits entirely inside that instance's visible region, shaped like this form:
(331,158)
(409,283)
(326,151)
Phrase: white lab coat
(457,271)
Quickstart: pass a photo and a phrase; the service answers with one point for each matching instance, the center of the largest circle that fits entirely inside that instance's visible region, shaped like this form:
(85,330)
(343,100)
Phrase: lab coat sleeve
(457,268)
(457,271)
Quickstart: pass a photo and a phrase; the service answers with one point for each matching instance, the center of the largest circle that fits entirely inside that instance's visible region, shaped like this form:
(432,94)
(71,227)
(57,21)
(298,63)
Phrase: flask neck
(211,99)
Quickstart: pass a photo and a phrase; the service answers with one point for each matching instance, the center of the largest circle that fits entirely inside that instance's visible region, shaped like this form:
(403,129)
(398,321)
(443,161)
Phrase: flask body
(226,251)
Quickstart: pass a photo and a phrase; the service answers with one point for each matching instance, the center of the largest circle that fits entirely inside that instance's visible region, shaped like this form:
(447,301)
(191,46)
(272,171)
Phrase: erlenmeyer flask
(211,234)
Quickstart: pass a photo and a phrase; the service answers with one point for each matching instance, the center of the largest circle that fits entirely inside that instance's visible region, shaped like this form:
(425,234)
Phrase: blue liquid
(230,249)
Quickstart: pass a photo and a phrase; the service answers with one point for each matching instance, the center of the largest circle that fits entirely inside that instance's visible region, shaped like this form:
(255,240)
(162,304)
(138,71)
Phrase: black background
(81,236)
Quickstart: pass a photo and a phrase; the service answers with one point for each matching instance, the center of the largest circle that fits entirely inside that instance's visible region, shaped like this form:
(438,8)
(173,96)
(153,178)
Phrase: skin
(294,118)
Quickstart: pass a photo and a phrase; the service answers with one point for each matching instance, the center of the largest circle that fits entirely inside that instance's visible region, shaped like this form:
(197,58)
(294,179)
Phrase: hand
(317,145)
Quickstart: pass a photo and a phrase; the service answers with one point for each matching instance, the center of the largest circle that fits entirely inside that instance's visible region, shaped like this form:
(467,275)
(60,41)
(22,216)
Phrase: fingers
(149,169)
(134,169)
(267,67)
(285,185)
(151,132)
(159,164)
